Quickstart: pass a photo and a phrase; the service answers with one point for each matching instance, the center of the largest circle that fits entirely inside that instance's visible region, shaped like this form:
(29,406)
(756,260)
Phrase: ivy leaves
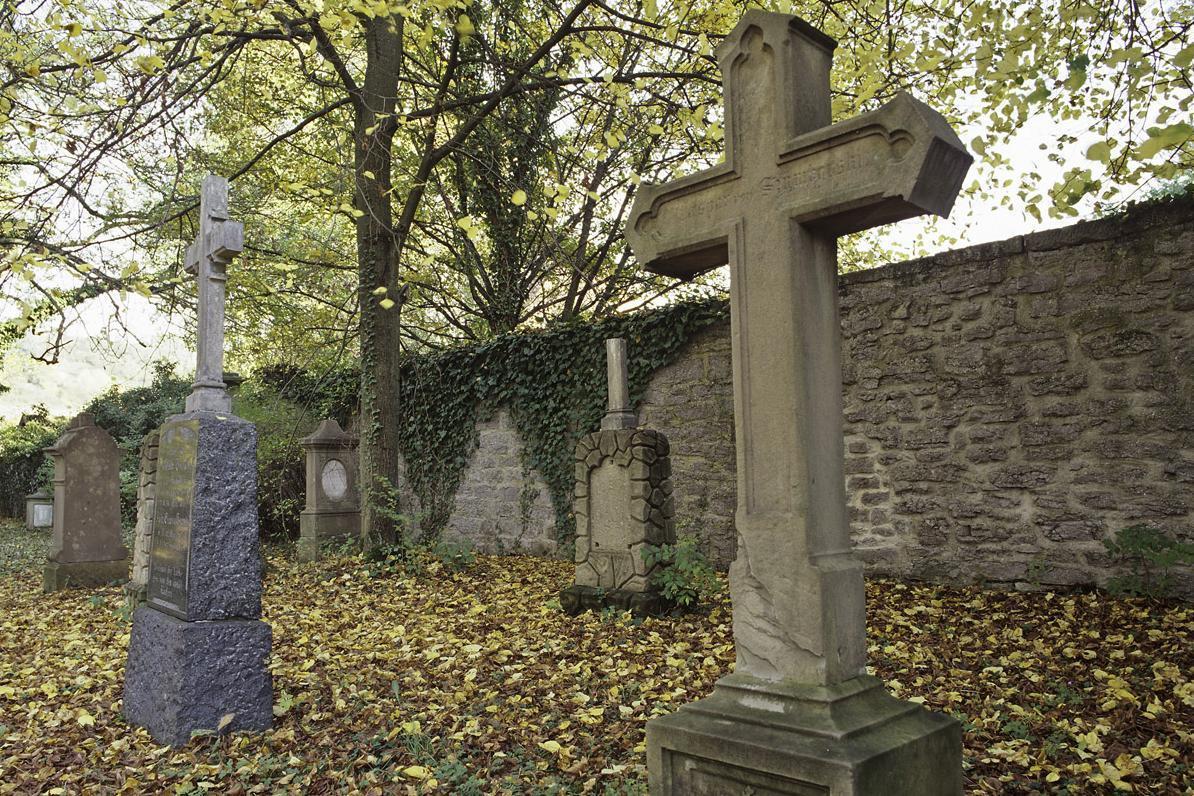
(552,381)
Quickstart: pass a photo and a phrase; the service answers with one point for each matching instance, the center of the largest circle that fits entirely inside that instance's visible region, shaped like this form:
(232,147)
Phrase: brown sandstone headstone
(143,533)
(86,549)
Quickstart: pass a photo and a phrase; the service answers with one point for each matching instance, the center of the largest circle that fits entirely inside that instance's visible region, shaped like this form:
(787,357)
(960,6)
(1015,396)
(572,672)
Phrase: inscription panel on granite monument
(170,550)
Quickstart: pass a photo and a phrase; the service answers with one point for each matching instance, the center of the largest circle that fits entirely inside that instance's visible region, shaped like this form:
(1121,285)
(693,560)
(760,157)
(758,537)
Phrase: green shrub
(419,558)
(684,575)
(1148,553)
(131,414)
(23,466)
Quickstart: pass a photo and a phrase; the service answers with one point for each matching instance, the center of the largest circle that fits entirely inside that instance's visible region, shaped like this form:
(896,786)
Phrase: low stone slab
(578,599)
(186,676)
(59,575)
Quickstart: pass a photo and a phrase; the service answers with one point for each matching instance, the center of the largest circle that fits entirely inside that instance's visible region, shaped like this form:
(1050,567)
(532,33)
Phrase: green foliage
(553,381)
(411,559)
(23,466)
(1149,554)
(684,576)
(281,478)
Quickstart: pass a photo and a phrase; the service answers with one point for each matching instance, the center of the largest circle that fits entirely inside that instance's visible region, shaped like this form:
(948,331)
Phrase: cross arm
(897,162)
(680,228)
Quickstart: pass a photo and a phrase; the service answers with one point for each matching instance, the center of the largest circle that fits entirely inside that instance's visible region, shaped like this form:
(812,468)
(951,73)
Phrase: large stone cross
(790,184)
(219,240)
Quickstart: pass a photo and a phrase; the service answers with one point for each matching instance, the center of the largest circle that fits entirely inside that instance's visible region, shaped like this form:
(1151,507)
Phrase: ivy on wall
(554,384)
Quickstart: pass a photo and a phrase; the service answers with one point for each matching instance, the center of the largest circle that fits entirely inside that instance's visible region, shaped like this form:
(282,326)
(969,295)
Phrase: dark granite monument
(199,652)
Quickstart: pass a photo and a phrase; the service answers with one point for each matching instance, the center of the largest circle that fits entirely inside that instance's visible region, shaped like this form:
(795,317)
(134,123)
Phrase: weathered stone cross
(619,413)
(219,240)
(790,184)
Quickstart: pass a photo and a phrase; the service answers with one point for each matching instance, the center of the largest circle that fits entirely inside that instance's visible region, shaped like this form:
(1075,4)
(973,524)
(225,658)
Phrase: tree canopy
(422,172)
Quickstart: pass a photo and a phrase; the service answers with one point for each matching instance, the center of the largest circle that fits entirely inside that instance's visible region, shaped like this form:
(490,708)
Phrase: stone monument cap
(81,421)
(328,434)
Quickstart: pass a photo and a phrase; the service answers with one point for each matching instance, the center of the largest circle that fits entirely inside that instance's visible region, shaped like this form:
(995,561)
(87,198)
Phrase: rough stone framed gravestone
(86,549)
(622,502)
(799,714)
(143,532)
(333,509)
(39,510)
(198,651)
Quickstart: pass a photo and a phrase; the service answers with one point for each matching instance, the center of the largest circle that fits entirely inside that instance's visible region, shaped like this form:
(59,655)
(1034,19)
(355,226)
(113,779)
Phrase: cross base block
(187,676)
(757,737)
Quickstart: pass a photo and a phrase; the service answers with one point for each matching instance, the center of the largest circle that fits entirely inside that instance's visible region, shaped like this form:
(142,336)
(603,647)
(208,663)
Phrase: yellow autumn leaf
(417,772)
(385,304)
(550,746)
(84,718)
(519,197)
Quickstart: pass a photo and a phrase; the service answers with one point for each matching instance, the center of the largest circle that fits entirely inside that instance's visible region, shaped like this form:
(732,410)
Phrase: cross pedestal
(799,715)
(198,650)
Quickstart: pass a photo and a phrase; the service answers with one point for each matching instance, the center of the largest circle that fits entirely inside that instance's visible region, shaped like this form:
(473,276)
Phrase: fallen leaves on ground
(475,682)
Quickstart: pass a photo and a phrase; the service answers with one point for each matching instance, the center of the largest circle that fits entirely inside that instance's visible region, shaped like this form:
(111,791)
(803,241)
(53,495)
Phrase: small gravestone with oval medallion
(333,511)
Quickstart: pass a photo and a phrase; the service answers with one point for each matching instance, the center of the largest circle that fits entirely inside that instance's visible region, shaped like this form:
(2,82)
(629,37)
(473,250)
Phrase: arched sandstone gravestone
(622,502)
(333,495)
(86,548)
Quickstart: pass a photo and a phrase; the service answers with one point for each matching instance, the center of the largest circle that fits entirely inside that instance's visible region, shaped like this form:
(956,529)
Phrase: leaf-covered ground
(476,683)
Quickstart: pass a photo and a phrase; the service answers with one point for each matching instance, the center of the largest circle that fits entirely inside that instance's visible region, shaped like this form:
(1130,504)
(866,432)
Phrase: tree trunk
(377,251)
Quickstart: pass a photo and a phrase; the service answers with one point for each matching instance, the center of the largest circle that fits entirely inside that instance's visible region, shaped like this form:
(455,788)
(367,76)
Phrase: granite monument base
(60,575)
(754,736)
(317,529)
(578,599)
(186,676)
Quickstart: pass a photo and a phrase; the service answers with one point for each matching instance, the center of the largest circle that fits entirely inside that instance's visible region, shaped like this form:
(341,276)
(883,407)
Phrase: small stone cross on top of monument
(219,240)
(619,413)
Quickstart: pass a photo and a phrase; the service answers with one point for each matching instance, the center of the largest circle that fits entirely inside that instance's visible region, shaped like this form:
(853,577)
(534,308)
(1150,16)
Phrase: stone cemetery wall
(501,505)
(1007,407)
